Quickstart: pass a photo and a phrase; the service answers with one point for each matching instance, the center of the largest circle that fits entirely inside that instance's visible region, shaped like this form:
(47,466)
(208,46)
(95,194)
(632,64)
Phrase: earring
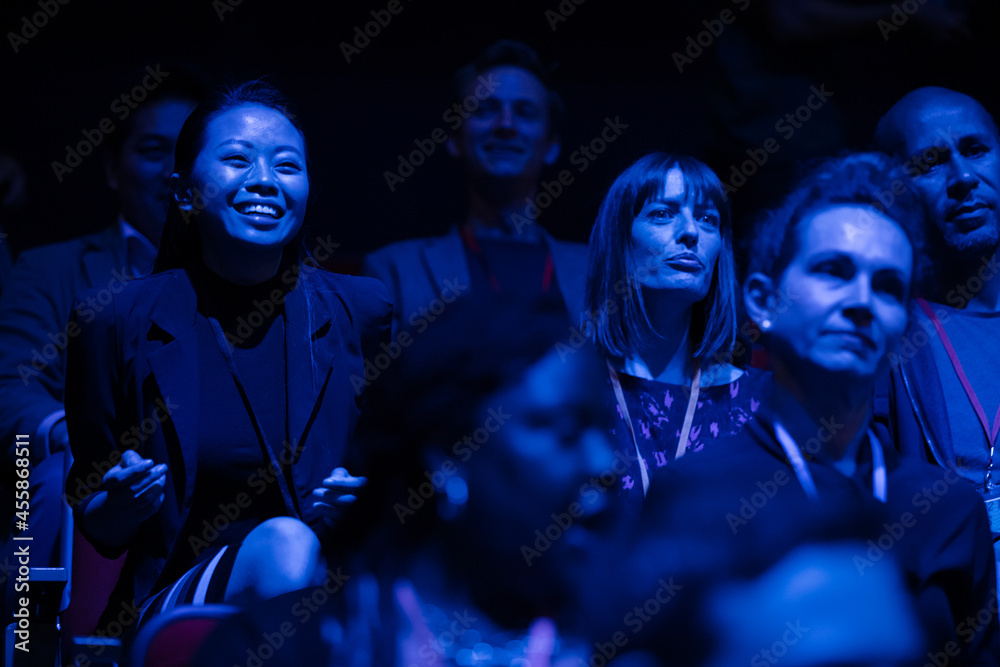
(765,324)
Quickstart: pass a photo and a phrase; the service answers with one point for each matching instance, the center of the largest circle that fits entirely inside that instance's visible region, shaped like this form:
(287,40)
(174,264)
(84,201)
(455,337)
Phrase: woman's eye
(891,286)
(975,150)
(236,160)
(289,167)
(835,269)
(710,219)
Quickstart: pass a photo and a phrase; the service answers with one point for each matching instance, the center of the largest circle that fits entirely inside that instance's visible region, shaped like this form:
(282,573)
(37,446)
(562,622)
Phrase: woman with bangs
(661,308)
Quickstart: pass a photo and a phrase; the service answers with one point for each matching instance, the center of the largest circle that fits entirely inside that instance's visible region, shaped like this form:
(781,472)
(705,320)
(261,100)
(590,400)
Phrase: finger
(151,496)
(121,475)
(136,474)
(333,497)
(328,511)
(345,482)
(149,481)
(130,458)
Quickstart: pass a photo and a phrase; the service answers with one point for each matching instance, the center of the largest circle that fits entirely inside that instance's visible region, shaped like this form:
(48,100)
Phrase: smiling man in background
(499,249)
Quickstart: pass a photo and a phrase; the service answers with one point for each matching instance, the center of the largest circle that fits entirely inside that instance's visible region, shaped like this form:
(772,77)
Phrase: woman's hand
(135,486)
(133,492)
(336,495)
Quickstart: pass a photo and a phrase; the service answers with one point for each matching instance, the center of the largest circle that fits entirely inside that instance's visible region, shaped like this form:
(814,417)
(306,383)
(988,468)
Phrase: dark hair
(514,54)
(174,82)
(854,179)
(614,310)
(181,244)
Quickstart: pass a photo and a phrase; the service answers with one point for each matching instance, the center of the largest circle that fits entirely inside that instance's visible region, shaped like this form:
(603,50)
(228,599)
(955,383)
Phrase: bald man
(943,395)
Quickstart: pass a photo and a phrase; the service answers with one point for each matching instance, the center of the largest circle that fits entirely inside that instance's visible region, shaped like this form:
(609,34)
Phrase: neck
(811,412)
(669,358)
(506,210)
(244,270)
(152,233)
(958,275)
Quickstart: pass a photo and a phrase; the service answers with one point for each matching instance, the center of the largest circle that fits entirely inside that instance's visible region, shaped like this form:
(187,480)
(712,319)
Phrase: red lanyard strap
(470,240)
(991,433)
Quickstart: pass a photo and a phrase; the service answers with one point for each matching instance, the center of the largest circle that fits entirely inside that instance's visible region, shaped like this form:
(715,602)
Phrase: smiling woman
(252,345)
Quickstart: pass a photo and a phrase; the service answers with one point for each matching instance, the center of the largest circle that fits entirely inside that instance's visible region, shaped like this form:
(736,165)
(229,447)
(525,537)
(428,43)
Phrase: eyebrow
(980,136)
(247,144)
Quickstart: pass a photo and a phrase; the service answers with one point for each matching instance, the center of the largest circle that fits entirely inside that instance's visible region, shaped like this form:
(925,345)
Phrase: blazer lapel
(100,266)
(309,355)
(173,365)
(570,261)
(923,384)
(445,261)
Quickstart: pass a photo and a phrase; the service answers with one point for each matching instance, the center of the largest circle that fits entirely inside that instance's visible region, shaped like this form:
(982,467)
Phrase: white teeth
(260,209)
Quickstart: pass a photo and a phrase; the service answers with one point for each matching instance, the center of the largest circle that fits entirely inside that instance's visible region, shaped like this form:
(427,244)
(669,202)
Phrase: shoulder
(410,248)
(568,251)
(728,375)
(62,263)
(102,241)
(927,487)
(364,298)
(133,299)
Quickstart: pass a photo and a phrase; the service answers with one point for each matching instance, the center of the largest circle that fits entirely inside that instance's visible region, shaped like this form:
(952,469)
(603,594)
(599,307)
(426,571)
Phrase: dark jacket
(419,271)
(135,363)
(910,401)
(34,313)
(745,500)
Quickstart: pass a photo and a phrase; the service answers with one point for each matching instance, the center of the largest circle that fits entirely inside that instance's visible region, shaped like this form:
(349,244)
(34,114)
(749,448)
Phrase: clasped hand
(135,487)
(336,494)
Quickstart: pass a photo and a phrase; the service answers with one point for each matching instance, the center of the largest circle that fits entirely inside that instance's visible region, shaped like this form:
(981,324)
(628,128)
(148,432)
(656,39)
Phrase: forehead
(859,232)
(676,187)
(163,117)
(254,124)
(509,82)
(943,122)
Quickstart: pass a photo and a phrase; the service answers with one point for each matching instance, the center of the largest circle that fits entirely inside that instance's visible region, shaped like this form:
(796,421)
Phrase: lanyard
(991,433)
(682,442)
(880,481)
(279,473)
(470,240)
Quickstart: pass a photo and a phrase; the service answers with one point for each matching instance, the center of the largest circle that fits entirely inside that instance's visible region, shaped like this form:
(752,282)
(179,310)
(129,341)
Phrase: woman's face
(676,241)
(843,298)
(249,181)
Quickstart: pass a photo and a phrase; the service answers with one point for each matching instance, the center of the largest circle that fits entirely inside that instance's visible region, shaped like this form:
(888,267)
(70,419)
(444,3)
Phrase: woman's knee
(279,555)
(285,534)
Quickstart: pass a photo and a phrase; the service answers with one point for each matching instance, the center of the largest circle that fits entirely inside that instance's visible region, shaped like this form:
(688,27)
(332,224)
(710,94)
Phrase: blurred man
(38,298)
(942,398)
(506,133)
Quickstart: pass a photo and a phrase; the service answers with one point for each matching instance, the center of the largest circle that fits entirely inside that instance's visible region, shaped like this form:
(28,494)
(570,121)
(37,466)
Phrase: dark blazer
(34,311)
(418,271)
(135,363)
(933,524)
(910,402)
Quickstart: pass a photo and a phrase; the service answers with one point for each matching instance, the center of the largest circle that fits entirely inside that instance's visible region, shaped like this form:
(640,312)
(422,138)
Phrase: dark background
(615,60)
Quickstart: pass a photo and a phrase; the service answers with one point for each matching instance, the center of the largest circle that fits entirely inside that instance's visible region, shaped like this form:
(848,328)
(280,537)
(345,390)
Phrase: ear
(759,299)
(552,152)
(180,188)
